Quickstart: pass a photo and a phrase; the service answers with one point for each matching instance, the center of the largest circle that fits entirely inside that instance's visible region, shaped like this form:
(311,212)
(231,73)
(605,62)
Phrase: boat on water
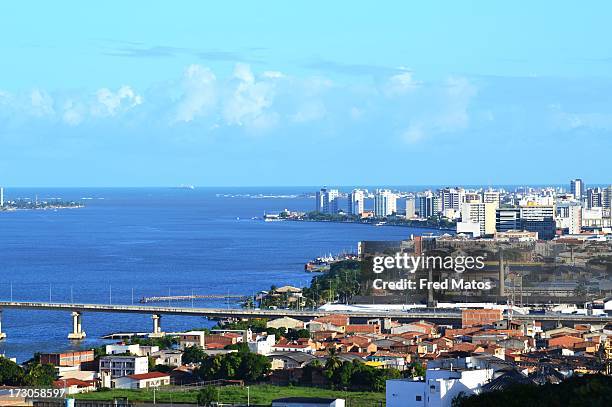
(323,263)
(272,217)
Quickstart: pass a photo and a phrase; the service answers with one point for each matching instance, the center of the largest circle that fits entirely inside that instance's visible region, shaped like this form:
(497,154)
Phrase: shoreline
(369,223)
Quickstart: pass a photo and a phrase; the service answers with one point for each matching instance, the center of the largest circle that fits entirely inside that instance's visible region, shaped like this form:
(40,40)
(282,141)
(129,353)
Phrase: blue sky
(304,93)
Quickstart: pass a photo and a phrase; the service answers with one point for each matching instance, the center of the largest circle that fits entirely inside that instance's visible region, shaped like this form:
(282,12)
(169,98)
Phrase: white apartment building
(437,389)
(385,203)
(451,198)
(114,366)
(356,202)
(327,201)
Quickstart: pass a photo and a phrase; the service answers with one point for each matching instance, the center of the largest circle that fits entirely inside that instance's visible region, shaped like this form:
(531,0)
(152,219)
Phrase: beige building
(481,213)
(285,322)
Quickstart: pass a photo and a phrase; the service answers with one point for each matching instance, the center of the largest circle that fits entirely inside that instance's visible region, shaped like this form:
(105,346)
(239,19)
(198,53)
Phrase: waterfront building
(577,188)
(507,219)
(539,218)
(410,207)
(451,198)
(327,201)
(481,213)
(1,197)
(428,204)
(385,203)
(65,359)
(356,202)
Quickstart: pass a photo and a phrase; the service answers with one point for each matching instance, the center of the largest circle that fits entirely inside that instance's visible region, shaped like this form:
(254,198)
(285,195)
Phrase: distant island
(29,204)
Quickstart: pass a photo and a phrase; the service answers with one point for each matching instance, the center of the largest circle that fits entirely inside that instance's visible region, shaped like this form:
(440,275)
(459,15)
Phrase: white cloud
(199,93)
(413,134)
(41,103)
(400,84)
(73,113)
(247,103)
(273,74)
(110,103)
(438,110)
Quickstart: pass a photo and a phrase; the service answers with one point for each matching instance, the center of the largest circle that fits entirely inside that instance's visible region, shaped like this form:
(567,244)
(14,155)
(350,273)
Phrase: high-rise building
(410,207)
(481,213)
(356,202)
(539,218)
(507,219)
(594,197)
(606,198)
(577,188)
(491,196)
(385,203)
(428,204)
(451,198)
(327,201)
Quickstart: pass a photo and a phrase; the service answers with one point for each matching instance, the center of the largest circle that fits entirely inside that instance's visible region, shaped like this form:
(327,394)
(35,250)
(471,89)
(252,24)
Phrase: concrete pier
(2,334)
(157,332)
(77,330)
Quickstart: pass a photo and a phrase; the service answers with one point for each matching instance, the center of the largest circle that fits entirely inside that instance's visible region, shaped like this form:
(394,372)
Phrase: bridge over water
(157,311)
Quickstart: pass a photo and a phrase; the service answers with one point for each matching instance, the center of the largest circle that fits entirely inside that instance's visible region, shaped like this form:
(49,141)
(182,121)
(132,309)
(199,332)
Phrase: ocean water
(129,243)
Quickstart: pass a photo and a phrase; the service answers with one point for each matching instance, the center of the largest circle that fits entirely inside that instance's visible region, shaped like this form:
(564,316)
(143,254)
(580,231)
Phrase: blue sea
(127,243)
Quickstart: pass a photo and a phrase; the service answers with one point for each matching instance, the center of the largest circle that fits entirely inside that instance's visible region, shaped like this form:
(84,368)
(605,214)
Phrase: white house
(437,389)
(262,345)
(168,357)
(142,381)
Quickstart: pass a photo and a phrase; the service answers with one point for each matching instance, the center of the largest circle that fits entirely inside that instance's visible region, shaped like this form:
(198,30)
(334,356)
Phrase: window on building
(419,398)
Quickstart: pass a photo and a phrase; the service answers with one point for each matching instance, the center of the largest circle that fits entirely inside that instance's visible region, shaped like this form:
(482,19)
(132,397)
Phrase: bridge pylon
(2,334)
(157,332)
(77,330)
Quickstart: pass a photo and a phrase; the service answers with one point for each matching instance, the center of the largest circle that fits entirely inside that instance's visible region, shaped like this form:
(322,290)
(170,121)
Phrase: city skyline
(277,95)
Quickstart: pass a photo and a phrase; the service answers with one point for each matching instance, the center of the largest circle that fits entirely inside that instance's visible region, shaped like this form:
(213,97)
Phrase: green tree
(294,334)
(40,375)
(253,367)
(193,354)
(11,374)
(416,369)
(206,396)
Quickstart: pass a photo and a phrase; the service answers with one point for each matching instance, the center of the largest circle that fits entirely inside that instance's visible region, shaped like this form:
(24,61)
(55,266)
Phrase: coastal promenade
(156,312)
